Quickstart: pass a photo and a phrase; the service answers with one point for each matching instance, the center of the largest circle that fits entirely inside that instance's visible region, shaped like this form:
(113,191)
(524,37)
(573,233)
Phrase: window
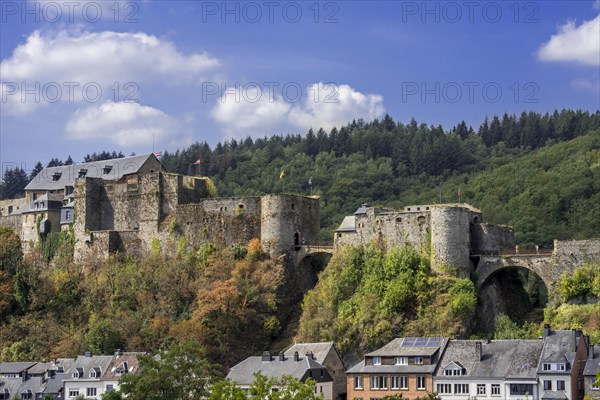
(453,372)
(401,360)
(560,385)
(418,360)
(358,382)
(395,382)
(560,367)
(376,360)
(592,381)
(404,382)
(73,392)
(95,373)
(461,388)
(4,394)
(27,395)
(547,385)
(91,392)
(420,382)
(480,389)
(520,389)
(495,389)
(444,388)
(379,382)
(109,388)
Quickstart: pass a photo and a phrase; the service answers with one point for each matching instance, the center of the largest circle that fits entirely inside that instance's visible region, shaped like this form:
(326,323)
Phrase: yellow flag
(282,174)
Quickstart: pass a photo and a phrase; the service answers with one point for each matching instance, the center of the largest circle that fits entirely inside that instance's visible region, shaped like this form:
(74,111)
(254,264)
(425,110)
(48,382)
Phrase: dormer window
(376,360)
(454,369)
(56,176)
(418,360)
(95,372)
(77,373)
(107,169)
(82,172)
(27,395)
(60,369)
(4,394)
(401,360)
(123,368)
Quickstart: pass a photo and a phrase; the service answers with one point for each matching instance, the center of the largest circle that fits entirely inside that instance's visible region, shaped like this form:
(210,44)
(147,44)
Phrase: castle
(449,233)
(130,204)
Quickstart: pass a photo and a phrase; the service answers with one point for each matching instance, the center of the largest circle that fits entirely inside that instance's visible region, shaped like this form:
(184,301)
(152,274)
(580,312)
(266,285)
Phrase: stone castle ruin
(128,204)
(455,235)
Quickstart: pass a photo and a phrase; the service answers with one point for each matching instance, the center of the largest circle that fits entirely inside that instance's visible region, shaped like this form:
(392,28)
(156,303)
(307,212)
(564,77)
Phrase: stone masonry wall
(487,238)
(450,238)
(224,221)
(285,219)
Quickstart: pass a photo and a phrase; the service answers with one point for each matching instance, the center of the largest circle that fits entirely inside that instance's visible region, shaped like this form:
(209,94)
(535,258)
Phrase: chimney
(25,376)
(590,348)
(118,353)
(296,356)
(281,356)
(266,356)
(478,349)
(546,330)
(309,354)
(87,354)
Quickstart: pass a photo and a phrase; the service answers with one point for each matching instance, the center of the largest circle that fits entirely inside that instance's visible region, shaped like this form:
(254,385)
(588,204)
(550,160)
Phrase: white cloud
(96,58)
(580,44)
(252,111)
(596,4)
(123,124)
(586,85)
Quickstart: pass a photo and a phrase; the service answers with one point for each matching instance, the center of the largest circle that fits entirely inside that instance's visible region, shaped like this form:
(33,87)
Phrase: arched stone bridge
(310,249)
(566,256)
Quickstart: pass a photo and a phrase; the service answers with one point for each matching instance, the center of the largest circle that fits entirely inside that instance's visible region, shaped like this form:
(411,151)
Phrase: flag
(310,181)
(158,154)
(282,174)
(197,162)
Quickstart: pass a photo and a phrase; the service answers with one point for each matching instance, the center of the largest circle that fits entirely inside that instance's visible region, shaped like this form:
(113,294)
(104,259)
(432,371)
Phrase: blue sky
(84,76)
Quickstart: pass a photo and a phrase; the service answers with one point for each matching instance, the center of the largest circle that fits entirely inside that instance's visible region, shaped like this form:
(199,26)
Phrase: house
(299,367)
(560,367)
(590,372)
(9,388)
(404,365)
(495,369)
(91,376)
(327,355)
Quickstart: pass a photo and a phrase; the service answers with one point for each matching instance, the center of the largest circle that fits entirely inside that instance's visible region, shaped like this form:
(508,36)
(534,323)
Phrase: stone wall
(450,237)
(578,250)
(224,221)
(287,221)
(487,238)
(11,206)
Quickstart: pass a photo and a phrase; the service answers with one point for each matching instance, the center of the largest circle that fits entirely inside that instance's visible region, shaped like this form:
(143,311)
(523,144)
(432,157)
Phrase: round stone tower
(450,238)
(288,221)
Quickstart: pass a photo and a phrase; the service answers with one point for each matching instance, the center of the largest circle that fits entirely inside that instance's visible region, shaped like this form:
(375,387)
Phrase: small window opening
(82,172)
(107,169)
(398,219)
(293,206)
(240,207)
(56,176)
(297,241)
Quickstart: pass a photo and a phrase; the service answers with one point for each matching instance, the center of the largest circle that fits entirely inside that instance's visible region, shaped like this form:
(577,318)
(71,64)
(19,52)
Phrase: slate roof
(592,365)
(243,373)
(398,347)
(559,347)
(348,224)
(55,384)
(319,350)
(15,367)
(117,362)
(86,364)
(12,384)
(513,359)
(31,385)
(44,180)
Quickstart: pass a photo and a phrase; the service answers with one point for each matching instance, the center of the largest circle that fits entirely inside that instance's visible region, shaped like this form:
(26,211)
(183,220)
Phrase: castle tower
(287,221)
(450,237)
